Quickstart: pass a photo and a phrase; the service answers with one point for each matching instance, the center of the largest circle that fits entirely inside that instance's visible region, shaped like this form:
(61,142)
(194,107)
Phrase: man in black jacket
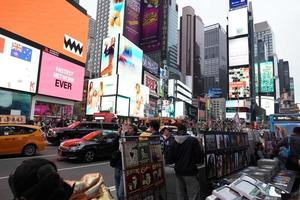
(185,152)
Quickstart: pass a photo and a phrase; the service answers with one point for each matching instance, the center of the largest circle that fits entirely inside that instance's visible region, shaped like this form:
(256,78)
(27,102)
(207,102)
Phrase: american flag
(21,52)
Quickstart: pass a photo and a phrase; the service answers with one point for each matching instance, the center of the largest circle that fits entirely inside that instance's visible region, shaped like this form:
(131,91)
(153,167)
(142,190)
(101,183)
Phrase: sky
(282,15)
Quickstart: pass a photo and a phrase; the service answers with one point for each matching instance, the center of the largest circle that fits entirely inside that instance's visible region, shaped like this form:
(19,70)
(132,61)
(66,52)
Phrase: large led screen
(150,65)
(239,83)
(132,21)
(56,24)
(116,17)
(20,65)
(130,62)
(97,88)
(256,78)
(151,25)
(60,78)
(267,103)
(152,83)
(168,108)
(266,77)
(238,22)
(138,100)
(138,94)
(238,52)
(109,56)
(122,106)
(108,104)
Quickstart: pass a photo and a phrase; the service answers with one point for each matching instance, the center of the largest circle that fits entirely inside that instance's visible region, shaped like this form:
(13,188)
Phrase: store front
(15,103)
(49,108)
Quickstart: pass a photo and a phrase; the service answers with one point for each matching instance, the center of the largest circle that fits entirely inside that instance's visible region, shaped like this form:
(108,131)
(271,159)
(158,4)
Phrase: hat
(37,179)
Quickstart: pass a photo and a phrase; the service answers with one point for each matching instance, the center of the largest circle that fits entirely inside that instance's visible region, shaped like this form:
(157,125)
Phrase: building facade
(214,72)
(101,31)
(191,52)
(218,108)
(264,41)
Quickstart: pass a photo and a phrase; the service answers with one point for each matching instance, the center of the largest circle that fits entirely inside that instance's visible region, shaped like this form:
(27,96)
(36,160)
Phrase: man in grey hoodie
(185,152)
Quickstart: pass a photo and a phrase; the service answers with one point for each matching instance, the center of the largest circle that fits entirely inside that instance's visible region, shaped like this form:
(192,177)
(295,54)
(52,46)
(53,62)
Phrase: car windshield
(93,135)
(73,125)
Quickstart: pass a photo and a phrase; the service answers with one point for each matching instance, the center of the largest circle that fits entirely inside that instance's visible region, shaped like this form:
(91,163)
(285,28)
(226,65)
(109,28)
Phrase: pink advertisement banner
(60,78)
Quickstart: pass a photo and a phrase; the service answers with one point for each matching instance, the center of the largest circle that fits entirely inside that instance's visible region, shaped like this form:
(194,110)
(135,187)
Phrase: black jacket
(186,153)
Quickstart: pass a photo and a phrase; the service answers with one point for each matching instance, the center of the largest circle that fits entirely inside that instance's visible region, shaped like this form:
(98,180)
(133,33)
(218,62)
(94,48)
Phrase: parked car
(21,139)
(77,130)
(93,145)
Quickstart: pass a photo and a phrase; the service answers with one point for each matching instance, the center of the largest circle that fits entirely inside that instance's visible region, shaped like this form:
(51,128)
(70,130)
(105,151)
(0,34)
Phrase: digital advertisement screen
(122,106)
(132,21)
(108,104)
(130,63)
(151,25)
(138,100)
(239,83)
(20,65)
(109,56)
(60,78)
(256,78)
(168,108)
(266,77)
(150,65)
(242,115)
(163,78)
(267,103)
(152,83)
(237,3)
(238,104)
(97,88)
(54,24)
(116,17)
(238,52)
(238,22)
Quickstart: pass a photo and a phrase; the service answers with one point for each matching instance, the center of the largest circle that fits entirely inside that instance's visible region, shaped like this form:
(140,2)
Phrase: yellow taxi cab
(173,129)
(21,139)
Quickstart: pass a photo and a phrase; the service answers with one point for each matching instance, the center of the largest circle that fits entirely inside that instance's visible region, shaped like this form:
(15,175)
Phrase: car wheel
(29,150)
(89,156)
(64,138)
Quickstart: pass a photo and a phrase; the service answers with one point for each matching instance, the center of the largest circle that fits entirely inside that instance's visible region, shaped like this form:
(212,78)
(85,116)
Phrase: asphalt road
(68,169)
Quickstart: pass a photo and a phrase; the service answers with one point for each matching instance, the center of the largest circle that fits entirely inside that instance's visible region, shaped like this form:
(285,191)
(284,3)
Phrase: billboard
(237,3)
(238,51)
(109,104)
(242,115)
(97,88)
(179,109)
(151,25)
(132,21)
(267,103)
(238,104)
(116,17)
(54,24)
(152,83)
(60,78)
(130,62)
(122,106)
(238,22)
(138,99)
(109,56)
(256,78)
(20,65)
(215,92)
(150,65)
(239,83)
(168,108)
(266,77)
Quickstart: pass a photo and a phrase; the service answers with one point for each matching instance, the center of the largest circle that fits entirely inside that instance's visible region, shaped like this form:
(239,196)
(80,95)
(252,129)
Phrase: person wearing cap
(185,152)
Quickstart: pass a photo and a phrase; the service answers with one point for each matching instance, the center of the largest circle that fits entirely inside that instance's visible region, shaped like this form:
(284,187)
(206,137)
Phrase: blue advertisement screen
(237,3)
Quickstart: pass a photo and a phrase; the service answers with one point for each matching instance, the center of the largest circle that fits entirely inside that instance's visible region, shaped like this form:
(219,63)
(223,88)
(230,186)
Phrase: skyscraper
(91,45)
(191,52)
(101,29)
(284,76)
(264,41)
(214,72)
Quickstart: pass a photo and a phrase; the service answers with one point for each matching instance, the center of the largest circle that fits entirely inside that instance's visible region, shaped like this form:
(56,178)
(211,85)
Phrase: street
(68,169)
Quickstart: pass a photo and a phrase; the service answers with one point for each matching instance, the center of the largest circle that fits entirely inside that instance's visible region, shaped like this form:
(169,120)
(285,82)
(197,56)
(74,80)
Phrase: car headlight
(76,147)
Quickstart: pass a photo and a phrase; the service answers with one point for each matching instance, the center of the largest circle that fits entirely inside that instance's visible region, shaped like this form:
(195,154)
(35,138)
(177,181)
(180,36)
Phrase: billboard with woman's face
(97,88)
